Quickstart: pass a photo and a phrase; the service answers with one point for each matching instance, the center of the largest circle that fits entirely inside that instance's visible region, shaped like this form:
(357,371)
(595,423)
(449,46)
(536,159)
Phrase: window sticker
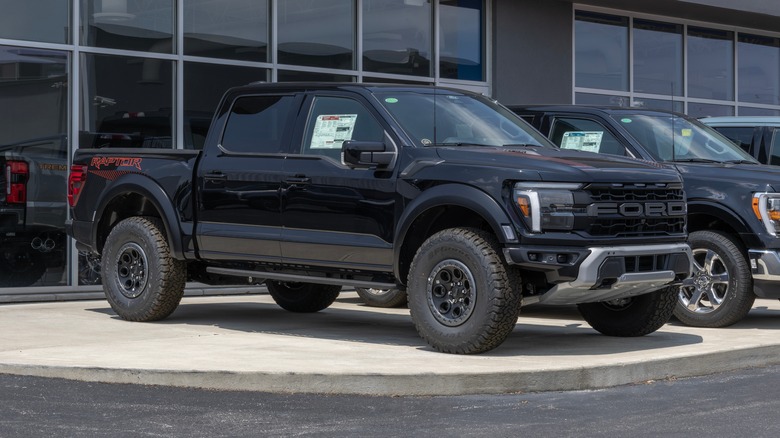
(589,141)
(331,130)
(391,100)
(626,120)
(686,132)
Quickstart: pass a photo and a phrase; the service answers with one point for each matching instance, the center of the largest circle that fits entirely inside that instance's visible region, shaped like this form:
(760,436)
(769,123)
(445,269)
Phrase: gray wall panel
(532,51)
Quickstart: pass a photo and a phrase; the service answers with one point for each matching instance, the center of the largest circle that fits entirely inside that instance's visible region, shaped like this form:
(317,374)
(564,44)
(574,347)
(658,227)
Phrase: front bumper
(765,266)
(609,273)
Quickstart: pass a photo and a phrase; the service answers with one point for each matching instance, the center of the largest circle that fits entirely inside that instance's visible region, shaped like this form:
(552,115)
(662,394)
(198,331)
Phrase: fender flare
(459,195)
(726,214)
(151,190)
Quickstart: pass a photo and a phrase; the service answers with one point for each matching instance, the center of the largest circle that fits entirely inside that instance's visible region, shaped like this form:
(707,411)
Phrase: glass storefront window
(668,105)
(126,102)
(751,111)
(143,25)
(658,57)
(235,29)
(601,99)
(461,39)
(759,69)
(33,166)
(204,85)
(710,63)
(696,109)
(601,51)
(397,37)
(305,76)
(318,34)
(26,20)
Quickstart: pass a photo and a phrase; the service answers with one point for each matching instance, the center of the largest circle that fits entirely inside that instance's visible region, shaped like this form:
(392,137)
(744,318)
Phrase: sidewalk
(248,343)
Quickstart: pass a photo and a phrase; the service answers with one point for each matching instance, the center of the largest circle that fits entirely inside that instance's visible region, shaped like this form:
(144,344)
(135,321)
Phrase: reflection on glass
(658,57)
(461,39)
(601,99)
(319,34)
(710,63)
(601,51)
(204,85)
(127,102)
(235,29)
(397,37)
(759,69)
(666,105)
(33,166)
(304,76)
(709,110)
(751,111)
(145,25)
(25,20)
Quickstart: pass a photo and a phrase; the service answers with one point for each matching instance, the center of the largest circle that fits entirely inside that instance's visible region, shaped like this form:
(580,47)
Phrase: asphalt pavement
(246,342)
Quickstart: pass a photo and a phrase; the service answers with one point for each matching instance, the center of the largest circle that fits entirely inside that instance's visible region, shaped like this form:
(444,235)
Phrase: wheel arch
(441,207)
(716,217)
(136,195)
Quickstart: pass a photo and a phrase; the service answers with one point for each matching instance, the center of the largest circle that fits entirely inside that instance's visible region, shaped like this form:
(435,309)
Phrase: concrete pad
(248,343)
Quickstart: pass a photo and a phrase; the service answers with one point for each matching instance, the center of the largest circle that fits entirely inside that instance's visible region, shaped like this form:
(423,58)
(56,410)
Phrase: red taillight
(76,179)
(16,174)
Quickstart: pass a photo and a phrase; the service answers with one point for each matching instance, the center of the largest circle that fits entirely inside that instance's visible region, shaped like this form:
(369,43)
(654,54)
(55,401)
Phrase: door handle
(216,176)
(298,180)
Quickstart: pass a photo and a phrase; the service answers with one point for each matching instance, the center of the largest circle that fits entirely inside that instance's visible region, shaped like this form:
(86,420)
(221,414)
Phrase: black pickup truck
(441,193)
(733,201)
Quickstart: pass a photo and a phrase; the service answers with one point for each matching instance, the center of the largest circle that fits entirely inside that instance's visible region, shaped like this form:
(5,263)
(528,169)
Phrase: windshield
(449,118)
(675,138)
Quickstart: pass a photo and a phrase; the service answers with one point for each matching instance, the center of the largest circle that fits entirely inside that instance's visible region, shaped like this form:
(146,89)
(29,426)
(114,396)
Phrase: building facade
(86,73)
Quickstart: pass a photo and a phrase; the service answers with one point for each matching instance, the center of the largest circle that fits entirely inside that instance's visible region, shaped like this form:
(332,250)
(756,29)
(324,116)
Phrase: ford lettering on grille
(637,209)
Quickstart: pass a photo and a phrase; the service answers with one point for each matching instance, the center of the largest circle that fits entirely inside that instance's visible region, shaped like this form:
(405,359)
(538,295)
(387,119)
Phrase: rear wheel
(633,316)
(141,279)
(720,293)
(460,295)
(382,297)
(302,297)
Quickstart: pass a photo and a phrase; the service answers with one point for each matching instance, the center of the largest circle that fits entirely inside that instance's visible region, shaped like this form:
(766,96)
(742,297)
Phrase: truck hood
(561,165)
(716,179)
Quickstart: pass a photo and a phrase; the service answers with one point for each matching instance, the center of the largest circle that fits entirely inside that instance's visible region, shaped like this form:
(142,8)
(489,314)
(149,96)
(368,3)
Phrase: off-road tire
(461,298)
(141,278)
(302,297)
(726,285)
(382,297)
(631,317)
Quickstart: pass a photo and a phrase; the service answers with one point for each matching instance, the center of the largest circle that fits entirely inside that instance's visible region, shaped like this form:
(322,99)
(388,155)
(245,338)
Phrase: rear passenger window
(585,135)
(742,136)
(774,159)
(256,124)
(334,120)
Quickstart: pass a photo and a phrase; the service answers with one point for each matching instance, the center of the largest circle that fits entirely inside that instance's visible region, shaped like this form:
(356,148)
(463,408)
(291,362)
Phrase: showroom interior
(80,73)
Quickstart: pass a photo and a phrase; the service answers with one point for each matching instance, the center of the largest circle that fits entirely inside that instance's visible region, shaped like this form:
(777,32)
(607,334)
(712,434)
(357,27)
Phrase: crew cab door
(333,215)
(239,178)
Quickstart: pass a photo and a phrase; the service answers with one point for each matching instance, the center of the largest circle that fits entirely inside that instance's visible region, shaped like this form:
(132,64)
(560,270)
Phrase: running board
(300,278)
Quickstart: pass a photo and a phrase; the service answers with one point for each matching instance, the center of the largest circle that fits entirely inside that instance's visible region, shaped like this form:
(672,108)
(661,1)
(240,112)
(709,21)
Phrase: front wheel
(141,279)
(631,317)
(382,297)
(720,293)
(461,298)
(302,297)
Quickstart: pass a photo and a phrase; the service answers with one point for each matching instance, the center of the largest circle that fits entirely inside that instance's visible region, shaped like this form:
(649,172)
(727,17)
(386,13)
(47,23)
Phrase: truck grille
(635,210)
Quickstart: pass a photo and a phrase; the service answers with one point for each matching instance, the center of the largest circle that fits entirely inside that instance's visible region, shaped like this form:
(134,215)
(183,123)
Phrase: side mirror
(366,154)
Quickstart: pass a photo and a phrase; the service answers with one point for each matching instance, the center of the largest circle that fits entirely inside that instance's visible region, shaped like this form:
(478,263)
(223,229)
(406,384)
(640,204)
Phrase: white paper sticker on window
(589,141)
(331,130)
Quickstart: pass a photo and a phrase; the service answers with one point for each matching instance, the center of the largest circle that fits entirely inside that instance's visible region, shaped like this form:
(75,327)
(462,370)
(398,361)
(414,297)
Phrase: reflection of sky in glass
(601,51)
(759,69)
(226,20)
(658,57)
(710,64)
(39,20)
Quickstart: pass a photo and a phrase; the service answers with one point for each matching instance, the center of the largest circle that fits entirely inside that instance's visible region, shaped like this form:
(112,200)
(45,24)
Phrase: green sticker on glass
(391,100)
(626,120)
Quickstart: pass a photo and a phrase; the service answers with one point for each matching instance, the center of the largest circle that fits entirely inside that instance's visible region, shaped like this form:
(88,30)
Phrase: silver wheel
(451,292)
(706,290)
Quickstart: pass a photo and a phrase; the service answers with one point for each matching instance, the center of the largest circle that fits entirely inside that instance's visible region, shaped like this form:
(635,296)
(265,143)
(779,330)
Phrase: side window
(335,119)
(742,136)
(256,124)
(585,135)
(774,158)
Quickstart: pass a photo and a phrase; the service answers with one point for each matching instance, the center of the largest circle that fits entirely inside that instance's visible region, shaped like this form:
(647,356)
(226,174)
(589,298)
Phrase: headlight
(766,206)
(546,206)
